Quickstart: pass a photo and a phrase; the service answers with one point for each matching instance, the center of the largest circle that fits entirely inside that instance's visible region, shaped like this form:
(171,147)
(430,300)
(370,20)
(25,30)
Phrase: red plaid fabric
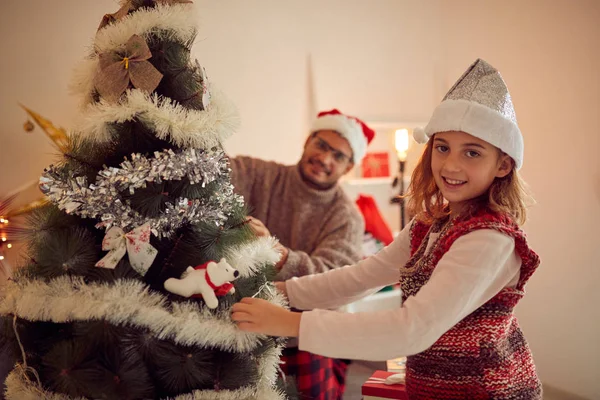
(317,377)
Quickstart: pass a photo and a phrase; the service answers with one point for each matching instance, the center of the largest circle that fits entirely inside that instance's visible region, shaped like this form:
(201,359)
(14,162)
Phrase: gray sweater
(323,229)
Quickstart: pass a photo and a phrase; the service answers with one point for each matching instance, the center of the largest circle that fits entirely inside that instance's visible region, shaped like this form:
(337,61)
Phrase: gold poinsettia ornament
(116,70)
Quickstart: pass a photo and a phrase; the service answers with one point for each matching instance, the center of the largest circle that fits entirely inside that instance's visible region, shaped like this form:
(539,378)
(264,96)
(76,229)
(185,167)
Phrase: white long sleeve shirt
(477,266)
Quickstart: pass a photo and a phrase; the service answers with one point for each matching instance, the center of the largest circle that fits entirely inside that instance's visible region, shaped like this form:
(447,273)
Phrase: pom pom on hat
(355,131)
(419,135)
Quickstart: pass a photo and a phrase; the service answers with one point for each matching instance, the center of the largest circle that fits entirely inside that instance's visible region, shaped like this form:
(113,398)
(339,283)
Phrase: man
(318,226)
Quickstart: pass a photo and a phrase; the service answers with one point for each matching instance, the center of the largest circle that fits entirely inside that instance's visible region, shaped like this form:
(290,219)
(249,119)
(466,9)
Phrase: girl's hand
(261,316)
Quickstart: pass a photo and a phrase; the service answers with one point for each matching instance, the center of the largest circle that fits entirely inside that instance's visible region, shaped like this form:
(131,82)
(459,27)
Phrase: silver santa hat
(479,104)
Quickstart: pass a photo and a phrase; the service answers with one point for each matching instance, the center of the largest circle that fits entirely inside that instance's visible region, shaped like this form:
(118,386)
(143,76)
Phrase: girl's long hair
(508,195)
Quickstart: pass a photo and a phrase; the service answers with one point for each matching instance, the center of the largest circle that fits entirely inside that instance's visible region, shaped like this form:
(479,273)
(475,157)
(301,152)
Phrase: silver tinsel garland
(102,200)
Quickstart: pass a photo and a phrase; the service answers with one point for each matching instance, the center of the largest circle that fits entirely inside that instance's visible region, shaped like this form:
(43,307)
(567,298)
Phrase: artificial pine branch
(166,269)
(123,270)
(67,251)
(42,221)
(181,80)
(134,137)
(181,369)
(185,88)
(168,56)
(68,368)
(196,191)
(239,219)
(208,242)
(82,157)
(100,333)
(245,372)
(248,287)
(151,200)
(38,338)
(195,245)
(125,378)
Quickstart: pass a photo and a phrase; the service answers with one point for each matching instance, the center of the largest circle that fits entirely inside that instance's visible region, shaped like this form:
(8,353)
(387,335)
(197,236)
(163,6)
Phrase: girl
(463,263)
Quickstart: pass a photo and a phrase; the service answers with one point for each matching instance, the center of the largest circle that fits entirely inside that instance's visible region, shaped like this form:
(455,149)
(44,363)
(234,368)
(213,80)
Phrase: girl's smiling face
(464,167)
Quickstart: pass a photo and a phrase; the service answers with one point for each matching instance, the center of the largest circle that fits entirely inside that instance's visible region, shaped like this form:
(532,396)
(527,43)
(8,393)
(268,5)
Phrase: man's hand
(261,316)
(283,252)
(281,287)
(258,227)
(260,230)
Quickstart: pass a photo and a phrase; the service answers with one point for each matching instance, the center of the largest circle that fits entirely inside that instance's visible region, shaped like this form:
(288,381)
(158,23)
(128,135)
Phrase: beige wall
(386,60)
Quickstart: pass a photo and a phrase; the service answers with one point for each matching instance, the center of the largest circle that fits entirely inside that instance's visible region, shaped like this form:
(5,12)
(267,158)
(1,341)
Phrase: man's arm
(340,244)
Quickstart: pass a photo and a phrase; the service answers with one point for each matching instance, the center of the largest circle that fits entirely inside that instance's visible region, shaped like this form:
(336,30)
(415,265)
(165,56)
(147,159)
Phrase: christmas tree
(140,201)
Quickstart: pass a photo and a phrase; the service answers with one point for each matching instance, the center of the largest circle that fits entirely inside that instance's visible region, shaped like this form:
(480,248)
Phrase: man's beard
(315,184)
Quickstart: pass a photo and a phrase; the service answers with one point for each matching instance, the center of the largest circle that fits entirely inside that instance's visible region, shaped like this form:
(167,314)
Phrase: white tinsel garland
(170,121)
(263,393)
(18,388)
(250,257)
(268,368)
(167,22)
(129,302)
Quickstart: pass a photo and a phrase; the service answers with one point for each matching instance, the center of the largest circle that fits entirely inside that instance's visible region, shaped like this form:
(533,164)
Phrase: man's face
(327,156)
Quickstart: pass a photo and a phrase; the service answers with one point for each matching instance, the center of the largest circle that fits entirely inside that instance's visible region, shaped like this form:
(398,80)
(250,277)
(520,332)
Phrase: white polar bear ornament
(208,281)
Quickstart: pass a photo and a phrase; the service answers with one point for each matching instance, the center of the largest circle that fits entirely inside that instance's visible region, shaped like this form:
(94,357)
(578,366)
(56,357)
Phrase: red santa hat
(356,132)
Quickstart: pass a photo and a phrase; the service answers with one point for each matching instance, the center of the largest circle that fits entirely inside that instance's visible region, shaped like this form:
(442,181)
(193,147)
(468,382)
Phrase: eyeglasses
(325,147)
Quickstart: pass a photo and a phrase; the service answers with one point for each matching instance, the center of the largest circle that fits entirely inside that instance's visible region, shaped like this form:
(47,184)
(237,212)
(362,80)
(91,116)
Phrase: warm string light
(5,232)
(401,143)
(4,221)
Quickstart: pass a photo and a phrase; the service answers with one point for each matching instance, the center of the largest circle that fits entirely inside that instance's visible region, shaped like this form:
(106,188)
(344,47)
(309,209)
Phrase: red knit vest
(484,356)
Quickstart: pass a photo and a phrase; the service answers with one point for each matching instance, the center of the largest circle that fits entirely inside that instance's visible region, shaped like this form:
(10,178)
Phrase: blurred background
(388,62)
